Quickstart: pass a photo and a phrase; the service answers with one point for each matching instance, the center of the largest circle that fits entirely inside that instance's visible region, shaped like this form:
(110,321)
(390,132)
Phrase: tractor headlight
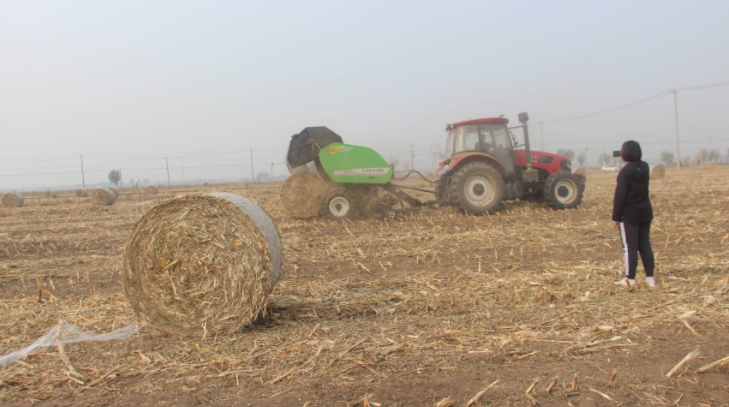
(566,165)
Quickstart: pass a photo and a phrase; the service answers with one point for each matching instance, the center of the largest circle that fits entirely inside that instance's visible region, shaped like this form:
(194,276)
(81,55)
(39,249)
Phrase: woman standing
(633,213)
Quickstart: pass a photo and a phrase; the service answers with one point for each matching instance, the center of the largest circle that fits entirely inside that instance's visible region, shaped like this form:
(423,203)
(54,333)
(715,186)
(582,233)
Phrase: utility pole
(253,172)
(168,172)
(678,147)
(83,176)
(271,171)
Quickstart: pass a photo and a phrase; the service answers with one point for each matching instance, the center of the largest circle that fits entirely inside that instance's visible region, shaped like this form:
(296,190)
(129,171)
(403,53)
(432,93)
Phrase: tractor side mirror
(523,117)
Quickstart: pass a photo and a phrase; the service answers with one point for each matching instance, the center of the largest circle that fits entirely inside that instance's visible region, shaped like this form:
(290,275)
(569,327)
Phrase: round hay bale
(104,196)
(581,174)
(81,193)
(202,262)
(658,171)
(151,190)
(11,200)
(116,191)
(51,194)
(301,194)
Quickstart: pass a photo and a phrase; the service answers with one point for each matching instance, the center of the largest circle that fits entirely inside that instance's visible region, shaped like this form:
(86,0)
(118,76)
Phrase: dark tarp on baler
(305,146)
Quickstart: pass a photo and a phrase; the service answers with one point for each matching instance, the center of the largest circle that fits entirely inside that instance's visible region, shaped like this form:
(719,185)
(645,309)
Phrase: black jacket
(631,203)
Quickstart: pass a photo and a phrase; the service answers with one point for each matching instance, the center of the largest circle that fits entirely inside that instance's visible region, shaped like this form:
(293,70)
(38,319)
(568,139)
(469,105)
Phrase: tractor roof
(480,121)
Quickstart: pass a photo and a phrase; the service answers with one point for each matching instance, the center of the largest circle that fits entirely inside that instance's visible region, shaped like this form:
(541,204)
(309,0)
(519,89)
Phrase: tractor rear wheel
(563,190)
(339,204)
(476,188)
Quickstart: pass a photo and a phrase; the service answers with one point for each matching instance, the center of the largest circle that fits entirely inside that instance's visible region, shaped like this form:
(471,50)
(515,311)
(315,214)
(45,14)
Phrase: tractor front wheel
(339,204)
(477,188)
(563,190)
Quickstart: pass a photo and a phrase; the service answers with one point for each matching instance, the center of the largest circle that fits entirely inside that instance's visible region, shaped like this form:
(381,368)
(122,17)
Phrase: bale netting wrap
(12,200)
(81,193)
(658,171)
(116,191)
(301,194)
(104,196)
(51,194)
(151,190)
(202,263)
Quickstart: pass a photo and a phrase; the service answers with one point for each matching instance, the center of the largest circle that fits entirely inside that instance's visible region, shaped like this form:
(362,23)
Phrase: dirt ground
(426,310)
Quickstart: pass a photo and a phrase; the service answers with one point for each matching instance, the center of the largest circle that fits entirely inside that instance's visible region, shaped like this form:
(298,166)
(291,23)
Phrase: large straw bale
(104,196)
(301,194)
(51,194)
(11,200)
(151,190)
(116,191)
(202,263)
(81,193)
(658,171)
(581,174)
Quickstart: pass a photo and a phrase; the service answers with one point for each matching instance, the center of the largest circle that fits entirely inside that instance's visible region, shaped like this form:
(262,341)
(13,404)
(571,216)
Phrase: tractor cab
(482,139)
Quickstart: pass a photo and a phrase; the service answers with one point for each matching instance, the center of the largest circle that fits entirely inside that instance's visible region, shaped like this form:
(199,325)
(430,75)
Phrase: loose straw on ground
(478,395)
(712,365)
(202,263)
(683,361)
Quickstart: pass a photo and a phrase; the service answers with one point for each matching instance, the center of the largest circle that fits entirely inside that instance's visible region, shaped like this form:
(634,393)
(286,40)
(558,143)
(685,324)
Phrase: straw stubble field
(430,309)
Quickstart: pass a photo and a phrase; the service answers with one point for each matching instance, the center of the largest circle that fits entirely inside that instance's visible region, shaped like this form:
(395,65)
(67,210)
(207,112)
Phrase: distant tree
(582,158)
(263,176)
(714,156)
(115,176)
(604,159)
(667,157)
(568,154)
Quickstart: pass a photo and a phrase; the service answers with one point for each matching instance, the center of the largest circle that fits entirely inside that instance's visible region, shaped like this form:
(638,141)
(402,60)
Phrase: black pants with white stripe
(637,239)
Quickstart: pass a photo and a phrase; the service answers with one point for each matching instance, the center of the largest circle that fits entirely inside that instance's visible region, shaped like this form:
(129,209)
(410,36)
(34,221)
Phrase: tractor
(484,168)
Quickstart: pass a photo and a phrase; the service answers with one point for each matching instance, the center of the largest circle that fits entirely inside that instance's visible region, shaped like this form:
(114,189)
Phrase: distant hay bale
(81,193)
(151,190)
(51,194)
(202,263)
(658,171)
(104,196)
(11,200)
(116,191)
(301,194)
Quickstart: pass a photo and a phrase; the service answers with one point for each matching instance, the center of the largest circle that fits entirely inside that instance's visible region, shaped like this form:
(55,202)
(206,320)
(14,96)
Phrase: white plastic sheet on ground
(69,333)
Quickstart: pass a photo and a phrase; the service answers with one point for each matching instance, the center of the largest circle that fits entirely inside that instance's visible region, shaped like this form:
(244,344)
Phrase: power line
(638,102)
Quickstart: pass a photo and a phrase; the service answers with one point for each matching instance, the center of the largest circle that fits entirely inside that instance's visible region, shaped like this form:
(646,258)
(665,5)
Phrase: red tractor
(486,166)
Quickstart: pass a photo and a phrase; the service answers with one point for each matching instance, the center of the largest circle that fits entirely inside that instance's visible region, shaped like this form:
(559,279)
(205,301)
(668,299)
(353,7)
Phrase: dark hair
(631,151)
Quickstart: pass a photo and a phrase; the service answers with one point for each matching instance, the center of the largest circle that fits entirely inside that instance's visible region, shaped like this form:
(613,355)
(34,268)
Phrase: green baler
(360,175)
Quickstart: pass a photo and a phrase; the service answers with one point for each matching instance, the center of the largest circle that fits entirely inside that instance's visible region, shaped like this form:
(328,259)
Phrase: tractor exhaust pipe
(530,174)
(524,118)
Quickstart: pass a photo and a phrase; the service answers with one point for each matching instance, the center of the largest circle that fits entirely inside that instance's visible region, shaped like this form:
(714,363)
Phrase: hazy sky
(129,83)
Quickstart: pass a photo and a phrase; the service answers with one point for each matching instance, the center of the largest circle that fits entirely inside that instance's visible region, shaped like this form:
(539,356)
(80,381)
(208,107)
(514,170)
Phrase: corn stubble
(527,291)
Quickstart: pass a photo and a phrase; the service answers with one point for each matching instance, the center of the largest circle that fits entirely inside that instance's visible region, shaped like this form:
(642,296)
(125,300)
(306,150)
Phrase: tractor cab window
(487,138)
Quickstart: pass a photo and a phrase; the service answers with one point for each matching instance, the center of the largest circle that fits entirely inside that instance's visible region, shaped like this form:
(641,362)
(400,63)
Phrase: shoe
(651,281)
(626,282)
